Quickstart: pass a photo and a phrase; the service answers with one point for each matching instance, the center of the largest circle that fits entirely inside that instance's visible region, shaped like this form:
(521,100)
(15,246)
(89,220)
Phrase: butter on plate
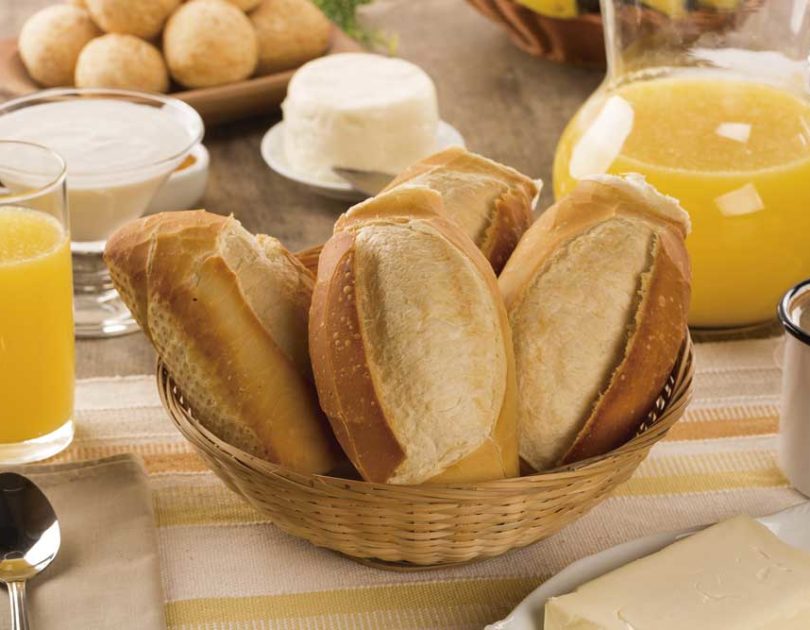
(736,575)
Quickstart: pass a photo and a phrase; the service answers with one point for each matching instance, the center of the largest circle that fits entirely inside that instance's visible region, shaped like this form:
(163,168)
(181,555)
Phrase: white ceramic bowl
(184,188)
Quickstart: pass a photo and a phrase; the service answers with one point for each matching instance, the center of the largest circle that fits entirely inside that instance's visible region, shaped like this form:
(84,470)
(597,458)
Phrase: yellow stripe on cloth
(716,429)
(157,458)
(208,504)
(729,412)
(704,472)
(709,482)
(713,461)
(482,599)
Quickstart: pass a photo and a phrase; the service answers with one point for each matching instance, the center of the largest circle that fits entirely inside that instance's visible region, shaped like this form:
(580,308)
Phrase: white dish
(184,188)
(272,149)
(791,525)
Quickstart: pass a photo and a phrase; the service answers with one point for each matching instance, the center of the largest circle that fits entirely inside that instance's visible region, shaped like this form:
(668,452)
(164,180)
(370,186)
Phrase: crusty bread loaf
(411,347)
(491,202)
(227,313)
(597,293)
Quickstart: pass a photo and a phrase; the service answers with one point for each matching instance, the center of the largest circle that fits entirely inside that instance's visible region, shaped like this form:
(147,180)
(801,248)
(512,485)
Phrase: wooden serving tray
(222,103)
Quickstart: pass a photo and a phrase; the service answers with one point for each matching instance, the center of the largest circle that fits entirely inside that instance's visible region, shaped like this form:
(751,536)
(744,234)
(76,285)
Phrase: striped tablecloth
(225,566)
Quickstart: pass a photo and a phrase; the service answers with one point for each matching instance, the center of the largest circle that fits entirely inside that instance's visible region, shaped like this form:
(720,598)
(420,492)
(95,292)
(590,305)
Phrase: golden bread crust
(341,367)
(194,298)
(638,380)
(346,382)
(649,344)
(492,202)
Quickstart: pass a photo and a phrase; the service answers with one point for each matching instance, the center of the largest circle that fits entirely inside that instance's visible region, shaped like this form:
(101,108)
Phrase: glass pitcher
(710,100)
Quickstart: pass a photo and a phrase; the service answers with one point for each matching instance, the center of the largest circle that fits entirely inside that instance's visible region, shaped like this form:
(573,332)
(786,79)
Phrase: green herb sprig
(344,14)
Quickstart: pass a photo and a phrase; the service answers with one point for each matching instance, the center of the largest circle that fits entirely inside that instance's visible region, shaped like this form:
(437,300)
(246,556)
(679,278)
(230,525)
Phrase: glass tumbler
(710,101)
(36,305)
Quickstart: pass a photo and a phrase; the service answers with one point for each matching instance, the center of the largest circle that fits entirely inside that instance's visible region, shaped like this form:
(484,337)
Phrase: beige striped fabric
(225,567)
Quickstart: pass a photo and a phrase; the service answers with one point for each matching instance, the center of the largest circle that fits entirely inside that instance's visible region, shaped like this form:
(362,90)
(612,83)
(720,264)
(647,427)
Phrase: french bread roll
(597,293)
(411,346)
(227,312)
(491,202)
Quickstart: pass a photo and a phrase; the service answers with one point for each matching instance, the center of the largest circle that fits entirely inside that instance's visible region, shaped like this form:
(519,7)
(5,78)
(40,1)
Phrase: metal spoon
(367,182)
(29,539)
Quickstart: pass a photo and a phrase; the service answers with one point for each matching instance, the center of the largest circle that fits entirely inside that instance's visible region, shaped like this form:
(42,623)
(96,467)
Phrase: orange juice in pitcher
(727,132)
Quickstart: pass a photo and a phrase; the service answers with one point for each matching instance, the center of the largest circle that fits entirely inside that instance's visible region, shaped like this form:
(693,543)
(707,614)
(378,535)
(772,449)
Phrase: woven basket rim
(700,12)
(571,39)
(676,399)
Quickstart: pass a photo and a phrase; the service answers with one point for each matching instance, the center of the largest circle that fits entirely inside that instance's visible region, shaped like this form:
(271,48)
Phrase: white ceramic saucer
(791,525)
(272,150)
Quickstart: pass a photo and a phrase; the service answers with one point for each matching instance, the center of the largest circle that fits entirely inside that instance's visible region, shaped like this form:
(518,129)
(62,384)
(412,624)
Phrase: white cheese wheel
(360,111)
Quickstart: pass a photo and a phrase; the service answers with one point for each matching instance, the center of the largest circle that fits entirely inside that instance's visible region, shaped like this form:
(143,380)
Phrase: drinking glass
(106,198)
(36,305)
(710,100)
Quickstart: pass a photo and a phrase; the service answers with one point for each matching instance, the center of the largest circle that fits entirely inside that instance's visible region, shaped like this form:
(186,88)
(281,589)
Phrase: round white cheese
(360,111)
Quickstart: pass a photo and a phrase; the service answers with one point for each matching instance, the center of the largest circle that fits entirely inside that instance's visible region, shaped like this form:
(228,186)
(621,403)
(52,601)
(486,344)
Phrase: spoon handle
(19,609)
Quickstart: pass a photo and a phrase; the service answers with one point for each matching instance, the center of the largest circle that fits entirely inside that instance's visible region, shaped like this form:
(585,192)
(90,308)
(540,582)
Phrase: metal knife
(367,182)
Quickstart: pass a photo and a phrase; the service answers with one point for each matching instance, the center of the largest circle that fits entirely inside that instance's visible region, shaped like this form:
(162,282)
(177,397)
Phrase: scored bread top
(569,330)
(411,349)
(593,200)
(634,188)
(491,202)
(597,293)
(227,313)
(433,342)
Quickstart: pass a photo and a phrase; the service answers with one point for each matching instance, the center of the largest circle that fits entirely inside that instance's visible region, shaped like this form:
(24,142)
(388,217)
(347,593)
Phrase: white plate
(184,188)
(791,525)
(272,150)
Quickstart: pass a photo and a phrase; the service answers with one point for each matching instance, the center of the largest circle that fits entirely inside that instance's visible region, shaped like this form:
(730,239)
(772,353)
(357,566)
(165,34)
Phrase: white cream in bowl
(117,153)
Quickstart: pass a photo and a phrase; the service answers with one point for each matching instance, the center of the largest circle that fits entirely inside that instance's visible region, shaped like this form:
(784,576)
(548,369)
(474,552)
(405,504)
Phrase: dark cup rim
(783,312)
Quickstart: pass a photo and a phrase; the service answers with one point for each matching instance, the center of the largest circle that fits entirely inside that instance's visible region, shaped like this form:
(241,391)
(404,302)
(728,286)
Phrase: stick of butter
(736,575)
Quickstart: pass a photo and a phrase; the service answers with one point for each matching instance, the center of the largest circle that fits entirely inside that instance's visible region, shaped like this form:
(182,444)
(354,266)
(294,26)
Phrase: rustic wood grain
(215,104)
(508,105)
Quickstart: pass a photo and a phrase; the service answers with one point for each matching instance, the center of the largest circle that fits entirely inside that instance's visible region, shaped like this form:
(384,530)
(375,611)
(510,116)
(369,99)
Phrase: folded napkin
(107,574)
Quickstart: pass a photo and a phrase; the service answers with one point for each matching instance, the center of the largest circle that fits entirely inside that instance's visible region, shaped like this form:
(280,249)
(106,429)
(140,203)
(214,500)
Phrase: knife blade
(367,182)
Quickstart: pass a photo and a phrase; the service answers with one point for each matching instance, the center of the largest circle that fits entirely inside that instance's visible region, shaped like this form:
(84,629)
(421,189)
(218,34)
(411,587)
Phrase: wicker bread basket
(575,40)
(412,527)
(579,39)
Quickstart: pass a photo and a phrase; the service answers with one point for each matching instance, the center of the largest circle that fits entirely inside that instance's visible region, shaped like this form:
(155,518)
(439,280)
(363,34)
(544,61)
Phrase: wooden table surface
(509,106)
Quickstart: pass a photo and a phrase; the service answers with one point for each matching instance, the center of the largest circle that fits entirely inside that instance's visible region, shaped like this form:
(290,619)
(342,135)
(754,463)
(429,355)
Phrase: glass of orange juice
(36,305)
(710,100)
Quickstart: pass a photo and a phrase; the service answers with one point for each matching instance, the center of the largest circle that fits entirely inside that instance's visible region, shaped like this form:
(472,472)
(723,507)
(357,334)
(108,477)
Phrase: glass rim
(785,312)
(57,181)
(9,106)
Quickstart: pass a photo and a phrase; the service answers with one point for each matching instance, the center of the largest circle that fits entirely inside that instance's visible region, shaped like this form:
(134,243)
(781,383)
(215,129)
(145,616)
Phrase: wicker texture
(409,527)
(579,40)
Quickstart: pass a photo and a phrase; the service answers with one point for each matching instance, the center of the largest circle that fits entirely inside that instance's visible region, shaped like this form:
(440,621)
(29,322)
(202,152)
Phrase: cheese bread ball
(246,5)
(78,3)
(122,61)
(143,18)
(50,42)
(290,32)
(209,42)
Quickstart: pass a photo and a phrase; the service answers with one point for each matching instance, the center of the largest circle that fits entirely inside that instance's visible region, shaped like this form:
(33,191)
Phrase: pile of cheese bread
(445,338)
(145,44)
